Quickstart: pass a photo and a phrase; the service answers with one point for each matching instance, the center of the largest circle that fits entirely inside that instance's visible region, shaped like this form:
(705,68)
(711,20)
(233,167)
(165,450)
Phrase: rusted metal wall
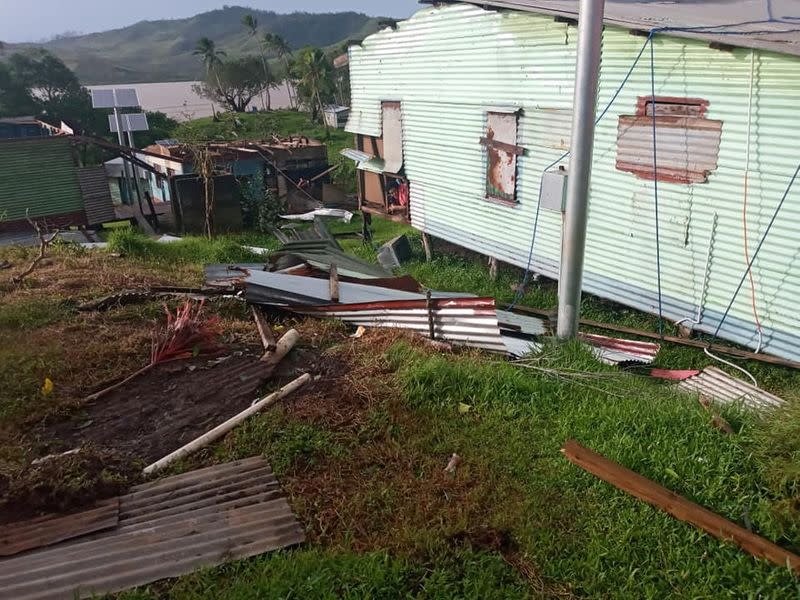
(451,65)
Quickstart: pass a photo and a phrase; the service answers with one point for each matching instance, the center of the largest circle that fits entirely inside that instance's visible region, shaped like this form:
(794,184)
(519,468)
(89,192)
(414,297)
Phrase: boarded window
(687,143)
(392,137)
(501,156)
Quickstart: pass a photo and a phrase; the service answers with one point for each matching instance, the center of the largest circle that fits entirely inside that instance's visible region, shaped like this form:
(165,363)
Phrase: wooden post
(428,305)
(678,506)
(366,232)
(264,330)
(334,284)
(492,268)
(426,244)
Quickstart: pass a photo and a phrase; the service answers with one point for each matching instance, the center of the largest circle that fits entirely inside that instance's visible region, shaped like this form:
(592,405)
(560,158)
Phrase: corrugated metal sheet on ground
(51,529)
(614,351)
(38,175)
(97,201)
(323,254)
(467,321)
(719,386)
(449,65)
(167,528)
(279,288)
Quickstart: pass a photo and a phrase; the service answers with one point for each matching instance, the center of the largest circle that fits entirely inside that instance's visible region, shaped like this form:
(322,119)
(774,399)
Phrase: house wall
(449,65)
(162,193)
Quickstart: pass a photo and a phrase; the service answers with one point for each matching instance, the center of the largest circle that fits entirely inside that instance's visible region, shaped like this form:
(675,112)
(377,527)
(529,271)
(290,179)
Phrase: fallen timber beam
(678,506)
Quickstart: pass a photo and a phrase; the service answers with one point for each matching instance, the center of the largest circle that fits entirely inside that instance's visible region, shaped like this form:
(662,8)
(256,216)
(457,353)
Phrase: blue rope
(655,187)
(755,254)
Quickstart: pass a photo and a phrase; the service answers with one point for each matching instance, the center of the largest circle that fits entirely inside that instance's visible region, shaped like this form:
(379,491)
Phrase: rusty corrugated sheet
(166,529)
(97,201)
(614,351)
(687,147)
(51,529)
(718,385)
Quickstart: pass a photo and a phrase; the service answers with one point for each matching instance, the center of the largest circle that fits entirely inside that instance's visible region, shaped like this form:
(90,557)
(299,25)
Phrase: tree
(37,83)
(206,49)
(236,82)
(276,44)
(251,24)
(313,72)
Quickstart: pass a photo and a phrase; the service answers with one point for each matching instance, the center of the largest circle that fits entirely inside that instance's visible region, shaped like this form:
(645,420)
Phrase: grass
(361,455)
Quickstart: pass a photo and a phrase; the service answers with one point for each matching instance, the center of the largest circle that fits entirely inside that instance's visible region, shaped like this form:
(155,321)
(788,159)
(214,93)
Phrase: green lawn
(382,518)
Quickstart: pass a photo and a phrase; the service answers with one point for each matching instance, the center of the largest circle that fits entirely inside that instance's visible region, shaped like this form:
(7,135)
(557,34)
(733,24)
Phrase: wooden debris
(264,330)
(44,244)
(678,506)
(282,348)
(223,428)
(334,284)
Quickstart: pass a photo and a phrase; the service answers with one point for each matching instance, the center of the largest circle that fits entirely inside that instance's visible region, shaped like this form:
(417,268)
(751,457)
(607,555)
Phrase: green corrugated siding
(38,175)
(448,65)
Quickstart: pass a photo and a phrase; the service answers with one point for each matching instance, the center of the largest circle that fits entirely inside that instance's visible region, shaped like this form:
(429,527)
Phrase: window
(501,156)
(392,137)
(687,143)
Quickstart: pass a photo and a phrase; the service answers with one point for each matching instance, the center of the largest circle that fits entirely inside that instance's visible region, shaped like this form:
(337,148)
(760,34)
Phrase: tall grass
(196,250)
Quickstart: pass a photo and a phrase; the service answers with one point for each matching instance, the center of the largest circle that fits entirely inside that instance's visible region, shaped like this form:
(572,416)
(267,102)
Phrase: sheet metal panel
(614,351)
(718,385)
(51,529)
(167,528)
(432,63)
(467,321)
(97,201)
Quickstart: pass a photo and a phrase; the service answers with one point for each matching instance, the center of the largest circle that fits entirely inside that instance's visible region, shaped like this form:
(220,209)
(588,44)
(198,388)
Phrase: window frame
(504,150)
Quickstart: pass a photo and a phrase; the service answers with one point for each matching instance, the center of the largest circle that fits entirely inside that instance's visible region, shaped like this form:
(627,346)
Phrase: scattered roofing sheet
(339,213)
(719,386)
(51,529)
(614,351)
(166,528)
(467,321)
(322,254)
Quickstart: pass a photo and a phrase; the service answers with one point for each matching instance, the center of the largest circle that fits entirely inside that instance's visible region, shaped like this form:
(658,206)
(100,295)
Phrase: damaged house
(462,118)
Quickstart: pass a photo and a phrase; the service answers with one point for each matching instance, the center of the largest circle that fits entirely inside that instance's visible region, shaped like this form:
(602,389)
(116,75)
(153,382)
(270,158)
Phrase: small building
(336,116)
(462,118)
(283,165)
(25,127)
(41,178)
(116,175)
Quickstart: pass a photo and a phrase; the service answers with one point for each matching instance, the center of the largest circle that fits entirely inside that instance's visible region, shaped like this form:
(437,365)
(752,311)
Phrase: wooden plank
(264,330)
(334,280)
(510,148)
(678,506)
(27,535)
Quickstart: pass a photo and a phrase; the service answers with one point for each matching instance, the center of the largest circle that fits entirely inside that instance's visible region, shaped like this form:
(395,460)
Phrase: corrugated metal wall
(451,64)
(97,200)
(38,175)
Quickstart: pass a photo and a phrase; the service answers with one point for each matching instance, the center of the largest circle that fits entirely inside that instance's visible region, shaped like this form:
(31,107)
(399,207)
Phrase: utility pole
(573,242)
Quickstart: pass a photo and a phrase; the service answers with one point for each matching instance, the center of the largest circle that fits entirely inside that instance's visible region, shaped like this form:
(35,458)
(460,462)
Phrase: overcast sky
(34,20)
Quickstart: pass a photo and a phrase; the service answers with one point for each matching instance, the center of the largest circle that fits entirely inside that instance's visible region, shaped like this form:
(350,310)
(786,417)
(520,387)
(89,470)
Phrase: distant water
(178,100)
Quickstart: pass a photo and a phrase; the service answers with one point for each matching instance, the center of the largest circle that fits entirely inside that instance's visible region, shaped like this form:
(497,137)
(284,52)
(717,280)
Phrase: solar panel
(115,98)
(131,122)
(103,98)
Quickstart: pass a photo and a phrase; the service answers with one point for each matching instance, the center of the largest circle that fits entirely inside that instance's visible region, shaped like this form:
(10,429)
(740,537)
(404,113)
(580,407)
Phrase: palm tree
(251,24)
(314,74)
(278,45)
(206,49)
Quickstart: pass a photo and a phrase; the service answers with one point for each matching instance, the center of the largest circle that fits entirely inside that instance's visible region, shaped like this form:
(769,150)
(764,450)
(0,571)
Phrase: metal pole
(573,242)
(135,176)
(125,175)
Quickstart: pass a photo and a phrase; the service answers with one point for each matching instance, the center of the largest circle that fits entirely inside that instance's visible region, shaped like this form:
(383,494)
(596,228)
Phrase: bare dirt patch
(162,409)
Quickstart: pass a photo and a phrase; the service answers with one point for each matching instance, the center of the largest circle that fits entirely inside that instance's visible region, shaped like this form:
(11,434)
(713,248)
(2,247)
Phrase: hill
(151,51)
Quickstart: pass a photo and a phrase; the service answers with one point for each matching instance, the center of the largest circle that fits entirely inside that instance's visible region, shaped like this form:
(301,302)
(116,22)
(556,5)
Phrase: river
(179,101)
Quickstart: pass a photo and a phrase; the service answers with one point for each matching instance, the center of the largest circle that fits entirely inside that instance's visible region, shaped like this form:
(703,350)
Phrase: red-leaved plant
(187,332)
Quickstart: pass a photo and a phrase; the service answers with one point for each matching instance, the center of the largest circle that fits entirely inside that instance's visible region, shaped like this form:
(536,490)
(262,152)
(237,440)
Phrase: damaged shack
(293,170)
(462,118)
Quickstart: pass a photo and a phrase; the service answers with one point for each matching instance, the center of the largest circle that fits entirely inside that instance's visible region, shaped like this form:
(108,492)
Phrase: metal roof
(723,388)
(772,25)
(166,528)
